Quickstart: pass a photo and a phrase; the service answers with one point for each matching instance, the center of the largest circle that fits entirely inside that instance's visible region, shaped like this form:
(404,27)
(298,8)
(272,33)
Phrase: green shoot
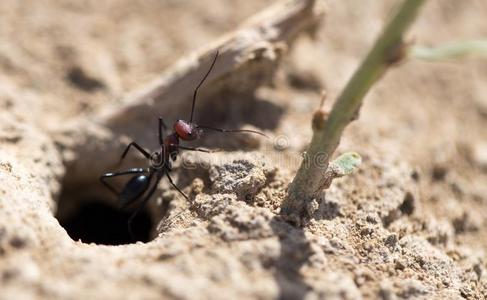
(388,50)
(453,50)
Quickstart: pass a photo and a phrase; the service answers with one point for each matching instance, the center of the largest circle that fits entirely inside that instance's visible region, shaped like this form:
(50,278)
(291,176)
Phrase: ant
(161,161)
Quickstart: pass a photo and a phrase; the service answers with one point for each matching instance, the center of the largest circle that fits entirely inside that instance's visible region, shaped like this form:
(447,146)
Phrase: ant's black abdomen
(133,189)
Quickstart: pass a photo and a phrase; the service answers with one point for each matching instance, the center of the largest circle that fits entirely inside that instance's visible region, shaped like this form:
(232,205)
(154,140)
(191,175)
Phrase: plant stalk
(388,49)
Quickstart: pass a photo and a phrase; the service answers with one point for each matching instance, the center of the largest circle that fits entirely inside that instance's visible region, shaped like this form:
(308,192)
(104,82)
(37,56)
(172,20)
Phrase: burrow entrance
(99,223)
(98,219)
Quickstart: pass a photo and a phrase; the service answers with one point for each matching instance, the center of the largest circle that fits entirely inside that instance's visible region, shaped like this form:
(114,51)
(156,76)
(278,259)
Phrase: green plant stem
(387,50)
(453,50)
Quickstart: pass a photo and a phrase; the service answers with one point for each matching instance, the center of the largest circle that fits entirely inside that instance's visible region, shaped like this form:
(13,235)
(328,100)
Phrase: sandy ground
(410,224)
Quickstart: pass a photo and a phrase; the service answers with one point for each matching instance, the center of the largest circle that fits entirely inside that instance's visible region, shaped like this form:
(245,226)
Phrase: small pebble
(480,155)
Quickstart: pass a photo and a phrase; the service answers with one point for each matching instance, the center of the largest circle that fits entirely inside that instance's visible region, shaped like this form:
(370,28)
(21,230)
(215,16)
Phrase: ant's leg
(141,205)
(170,221)
(162,129)
(173,219)
(231,130)
(175,186)
(136,146)
(115,174)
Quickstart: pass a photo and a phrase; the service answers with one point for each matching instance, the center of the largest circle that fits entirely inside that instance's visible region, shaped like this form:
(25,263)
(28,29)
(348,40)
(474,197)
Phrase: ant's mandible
(145,180)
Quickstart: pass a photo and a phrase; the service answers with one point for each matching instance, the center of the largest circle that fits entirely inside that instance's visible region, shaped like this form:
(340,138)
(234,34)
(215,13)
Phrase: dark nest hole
(95,222)
(95,219)
(90,213)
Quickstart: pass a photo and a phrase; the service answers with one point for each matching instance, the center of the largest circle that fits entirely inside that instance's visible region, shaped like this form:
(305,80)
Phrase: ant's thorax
(170,146)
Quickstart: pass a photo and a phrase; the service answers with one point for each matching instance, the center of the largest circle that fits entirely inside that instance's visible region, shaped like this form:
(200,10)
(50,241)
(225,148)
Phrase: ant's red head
(186,131)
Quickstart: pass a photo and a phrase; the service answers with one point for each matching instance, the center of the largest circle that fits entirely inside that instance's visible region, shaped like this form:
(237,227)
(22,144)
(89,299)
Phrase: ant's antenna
(231,130)
(203,80)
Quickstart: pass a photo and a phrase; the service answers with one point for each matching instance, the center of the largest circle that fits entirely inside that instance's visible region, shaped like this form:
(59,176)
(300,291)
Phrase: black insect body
(145,180)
